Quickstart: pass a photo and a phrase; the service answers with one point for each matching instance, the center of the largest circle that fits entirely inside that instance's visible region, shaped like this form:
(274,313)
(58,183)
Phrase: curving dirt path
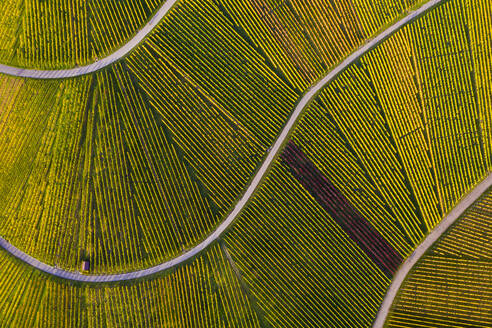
(272,155)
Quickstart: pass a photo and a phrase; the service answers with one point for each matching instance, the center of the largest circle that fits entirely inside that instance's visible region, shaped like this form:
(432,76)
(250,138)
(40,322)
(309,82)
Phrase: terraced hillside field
(132,166)
(452,285)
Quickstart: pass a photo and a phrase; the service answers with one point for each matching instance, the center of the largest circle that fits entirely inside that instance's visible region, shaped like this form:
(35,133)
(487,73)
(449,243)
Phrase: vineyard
(136,164)
(133,165)
(458,270)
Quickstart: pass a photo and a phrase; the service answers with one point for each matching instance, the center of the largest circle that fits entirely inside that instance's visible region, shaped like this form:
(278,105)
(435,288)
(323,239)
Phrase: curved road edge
(106,61)
(434,236)
(272,154)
